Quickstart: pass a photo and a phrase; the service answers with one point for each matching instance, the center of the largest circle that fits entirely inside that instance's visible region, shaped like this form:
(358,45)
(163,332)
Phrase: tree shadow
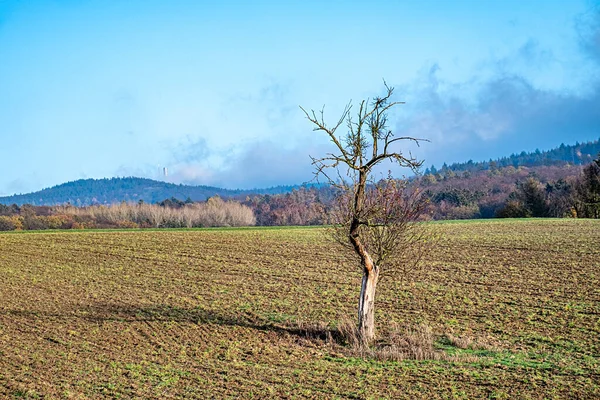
(106,312)
(416,343)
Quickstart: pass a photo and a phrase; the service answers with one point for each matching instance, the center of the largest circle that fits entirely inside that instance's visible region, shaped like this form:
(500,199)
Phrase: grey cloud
(480,119)
(250,164)
(506,114)
(261,164)
(267,164)
(191,173)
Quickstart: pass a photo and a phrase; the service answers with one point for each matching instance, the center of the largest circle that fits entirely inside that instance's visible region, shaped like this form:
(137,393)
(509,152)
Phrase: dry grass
(415,342)
(411,343)
(408,343)
(215,212)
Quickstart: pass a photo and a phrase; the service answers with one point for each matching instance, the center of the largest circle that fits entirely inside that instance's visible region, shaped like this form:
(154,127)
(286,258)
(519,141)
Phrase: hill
(577,154)
(85,192)
(485,184)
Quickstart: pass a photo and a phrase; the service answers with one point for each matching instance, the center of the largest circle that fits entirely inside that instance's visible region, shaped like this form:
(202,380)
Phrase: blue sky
(92,89)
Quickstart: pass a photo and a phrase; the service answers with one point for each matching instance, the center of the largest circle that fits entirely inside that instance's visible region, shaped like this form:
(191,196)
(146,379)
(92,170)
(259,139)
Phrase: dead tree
(376,220)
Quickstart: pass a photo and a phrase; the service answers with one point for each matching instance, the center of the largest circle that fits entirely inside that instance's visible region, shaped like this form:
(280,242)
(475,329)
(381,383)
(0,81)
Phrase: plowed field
(215,314)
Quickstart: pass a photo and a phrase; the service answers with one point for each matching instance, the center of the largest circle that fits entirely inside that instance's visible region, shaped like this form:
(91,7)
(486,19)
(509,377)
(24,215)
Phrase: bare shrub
(215,212)
(399,344)
(414,343)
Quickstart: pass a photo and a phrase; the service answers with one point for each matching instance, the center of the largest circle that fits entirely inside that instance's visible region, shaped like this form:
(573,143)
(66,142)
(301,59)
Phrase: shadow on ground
(105,312)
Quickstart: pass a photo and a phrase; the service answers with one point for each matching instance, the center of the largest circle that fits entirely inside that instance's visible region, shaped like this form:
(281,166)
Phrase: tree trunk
(366,305)
(366,301)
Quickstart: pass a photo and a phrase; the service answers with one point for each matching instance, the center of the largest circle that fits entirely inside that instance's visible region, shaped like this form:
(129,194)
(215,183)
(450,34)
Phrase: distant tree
(172,203)
(577,154)
(304,206)
(7,223)
(533,197)
(587,202)
(9,210)
(529,200)
(560,198)
(374,220)
(428,179)
(449,174)
(512,209)
(30,220)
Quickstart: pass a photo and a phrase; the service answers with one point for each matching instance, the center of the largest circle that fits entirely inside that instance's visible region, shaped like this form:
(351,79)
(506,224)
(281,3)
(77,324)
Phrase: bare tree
(376,220)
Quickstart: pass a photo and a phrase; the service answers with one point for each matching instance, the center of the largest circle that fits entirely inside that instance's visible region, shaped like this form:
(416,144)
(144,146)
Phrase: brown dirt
(214,313)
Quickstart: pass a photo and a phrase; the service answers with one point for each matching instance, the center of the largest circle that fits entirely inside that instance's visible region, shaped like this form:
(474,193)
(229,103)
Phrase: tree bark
(366,301)
(366,305)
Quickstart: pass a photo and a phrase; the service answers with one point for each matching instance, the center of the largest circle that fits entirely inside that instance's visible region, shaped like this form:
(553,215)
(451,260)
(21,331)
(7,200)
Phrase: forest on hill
(564,155)
(487,190)
(86,192)
(543,191)
(537,184)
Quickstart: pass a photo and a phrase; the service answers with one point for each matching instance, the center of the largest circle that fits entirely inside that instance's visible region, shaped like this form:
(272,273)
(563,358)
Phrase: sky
(211,90)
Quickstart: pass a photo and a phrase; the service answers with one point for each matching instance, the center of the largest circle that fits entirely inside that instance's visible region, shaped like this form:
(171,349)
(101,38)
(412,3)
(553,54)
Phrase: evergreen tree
(533,197)
(588,191)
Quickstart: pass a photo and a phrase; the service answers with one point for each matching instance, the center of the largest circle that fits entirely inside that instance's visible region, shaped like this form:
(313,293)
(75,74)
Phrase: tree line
(546,191)
(577,154)
(508,192)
